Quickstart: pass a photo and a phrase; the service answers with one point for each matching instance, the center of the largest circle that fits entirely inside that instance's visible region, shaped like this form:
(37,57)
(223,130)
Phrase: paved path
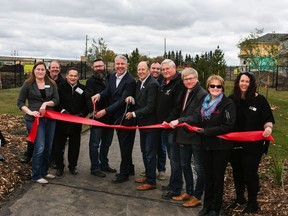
(86,194)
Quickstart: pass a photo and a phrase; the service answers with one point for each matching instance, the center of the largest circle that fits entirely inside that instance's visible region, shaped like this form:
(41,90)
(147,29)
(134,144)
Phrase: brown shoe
(140,180)
(182,197)
(193,202)
(146,187)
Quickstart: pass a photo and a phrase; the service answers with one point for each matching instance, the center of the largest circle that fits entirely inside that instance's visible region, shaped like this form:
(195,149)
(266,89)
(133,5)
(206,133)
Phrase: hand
(34,113)
(42,109)
(95,98)
(174,123)
(101,113)
(128,99)
(128,115)
(267,132)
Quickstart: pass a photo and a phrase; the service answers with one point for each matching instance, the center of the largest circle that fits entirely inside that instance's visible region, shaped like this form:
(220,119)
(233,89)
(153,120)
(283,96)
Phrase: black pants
(126,143)
(245,166)
(215,163)
(73,148)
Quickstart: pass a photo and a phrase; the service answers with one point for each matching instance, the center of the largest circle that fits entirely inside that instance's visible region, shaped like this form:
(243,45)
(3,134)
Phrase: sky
(58,28)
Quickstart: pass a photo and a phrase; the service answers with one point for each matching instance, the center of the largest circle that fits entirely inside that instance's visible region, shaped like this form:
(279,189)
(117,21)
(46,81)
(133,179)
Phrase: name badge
(253,108)
(79,91)
(47,86)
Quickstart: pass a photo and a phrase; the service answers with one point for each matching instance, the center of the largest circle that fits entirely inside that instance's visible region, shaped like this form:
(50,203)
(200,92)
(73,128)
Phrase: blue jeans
(185,162)
(149,146)
(161,154)
(198,156)
(104,136)
(42,147)
(175,181)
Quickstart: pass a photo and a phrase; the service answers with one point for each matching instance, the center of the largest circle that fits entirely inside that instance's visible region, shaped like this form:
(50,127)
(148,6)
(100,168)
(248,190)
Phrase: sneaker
(59,172)
(73,170)
(41,181)
(143,173)
(50,176)
(161,176)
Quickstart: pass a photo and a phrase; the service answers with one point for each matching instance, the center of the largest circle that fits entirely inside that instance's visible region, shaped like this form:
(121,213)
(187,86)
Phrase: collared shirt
(119,78)
(143,82)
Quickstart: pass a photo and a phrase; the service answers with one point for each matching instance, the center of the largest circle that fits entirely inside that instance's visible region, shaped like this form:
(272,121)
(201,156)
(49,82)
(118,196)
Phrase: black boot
(252,206)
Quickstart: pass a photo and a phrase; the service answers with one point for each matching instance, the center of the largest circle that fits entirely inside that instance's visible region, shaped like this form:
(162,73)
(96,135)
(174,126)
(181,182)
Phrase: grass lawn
(8,105)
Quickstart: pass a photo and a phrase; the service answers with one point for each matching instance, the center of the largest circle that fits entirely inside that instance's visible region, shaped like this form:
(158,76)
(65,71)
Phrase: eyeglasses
(189,79)
(217,86)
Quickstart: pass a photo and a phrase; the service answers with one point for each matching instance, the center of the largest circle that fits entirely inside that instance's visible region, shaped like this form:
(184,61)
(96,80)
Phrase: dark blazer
(35,100)
(145,102)
(72,100)
(118,95)
(190,114)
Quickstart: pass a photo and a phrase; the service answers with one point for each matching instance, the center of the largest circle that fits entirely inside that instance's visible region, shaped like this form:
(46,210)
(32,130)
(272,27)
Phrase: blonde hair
(215,77)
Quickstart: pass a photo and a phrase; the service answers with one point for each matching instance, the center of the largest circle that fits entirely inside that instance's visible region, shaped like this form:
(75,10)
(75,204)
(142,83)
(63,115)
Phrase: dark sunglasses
(217,86)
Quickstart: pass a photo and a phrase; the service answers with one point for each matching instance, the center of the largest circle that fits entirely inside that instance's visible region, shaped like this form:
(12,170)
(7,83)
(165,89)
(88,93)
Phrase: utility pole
(165,55)
(86,51)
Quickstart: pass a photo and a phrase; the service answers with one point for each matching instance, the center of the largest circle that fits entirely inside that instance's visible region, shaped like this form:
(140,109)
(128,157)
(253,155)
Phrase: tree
(99,50)
(261,53)
(133,61)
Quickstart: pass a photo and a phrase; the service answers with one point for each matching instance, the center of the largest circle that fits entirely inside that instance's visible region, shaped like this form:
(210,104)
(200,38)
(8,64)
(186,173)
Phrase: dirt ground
(273,198)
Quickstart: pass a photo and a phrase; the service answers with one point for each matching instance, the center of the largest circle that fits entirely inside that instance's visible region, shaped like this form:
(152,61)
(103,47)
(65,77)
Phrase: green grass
(8,105)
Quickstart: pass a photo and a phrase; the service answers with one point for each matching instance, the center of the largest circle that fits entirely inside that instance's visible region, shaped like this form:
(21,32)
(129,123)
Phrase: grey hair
(168,61)
(188,71)
(121,57)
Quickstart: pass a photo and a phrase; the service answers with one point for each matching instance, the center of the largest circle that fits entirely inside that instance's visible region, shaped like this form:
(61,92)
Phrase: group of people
(169,98)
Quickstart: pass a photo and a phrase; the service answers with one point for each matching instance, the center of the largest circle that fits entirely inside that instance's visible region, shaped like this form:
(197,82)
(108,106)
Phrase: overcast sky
(58,28)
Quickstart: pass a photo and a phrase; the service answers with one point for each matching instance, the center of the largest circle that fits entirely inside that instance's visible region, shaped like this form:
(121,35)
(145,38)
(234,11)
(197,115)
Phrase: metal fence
(14,72)
(277,79)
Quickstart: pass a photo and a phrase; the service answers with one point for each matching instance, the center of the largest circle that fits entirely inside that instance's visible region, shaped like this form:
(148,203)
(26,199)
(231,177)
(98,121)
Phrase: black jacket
(167,98)
(190,114)
(72,100)
(94,85)
(221,122)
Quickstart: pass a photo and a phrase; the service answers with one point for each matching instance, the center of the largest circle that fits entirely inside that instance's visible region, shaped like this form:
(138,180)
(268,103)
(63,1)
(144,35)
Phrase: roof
(272,37)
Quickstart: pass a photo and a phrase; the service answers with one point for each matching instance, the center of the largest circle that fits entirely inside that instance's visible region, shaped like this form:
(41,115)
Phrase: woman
(41,93)
(253,114)
(218,114)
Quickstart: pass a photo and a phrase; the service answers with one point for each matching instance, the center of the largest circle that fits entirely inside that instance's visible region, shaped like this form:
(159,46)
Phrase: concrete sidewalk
(86,194)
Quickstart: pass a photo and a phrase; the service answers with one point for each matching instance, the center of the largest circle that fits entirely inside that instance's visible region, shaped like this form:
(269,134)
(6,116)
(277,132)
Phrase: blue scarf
(208,107)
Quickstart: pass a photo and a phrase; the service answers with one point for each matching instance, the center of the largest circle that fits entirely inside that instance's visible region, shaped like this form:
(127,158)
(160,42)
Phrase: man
(155,71)
(54,73)
(94,85)
(145,105)
(72,101)
(121,85)
(187,143)
(167,101)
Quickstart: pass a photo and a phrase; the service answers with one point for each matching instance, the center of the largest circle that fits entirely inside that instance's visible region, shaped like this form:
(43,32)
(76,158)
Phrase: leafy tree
(99,50)
(260,53)
(133,61)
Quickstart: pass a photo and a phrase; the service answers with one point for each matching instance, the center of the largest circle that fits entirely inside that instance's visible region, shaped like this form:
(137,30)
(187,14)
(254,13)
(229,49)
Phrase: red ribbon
(236,136)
